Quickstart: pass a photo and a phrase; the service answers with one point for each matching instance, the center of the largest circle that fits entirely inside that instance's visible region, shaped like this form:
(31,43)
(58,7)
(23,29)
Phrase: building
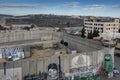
(20,26)
(2,21)
(16,26)
(7,26)
(101,24)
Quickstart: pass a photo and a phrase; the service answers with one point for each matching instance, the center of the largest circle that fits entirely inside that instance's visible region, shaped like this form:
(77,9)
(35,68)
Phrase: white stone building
(102,26)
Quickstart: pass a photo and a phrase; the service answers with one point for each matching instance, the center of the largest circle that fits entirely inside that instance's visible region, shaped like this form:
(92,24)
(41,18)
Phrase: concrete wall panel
(66,63)
(40,65)
(2,76)
(25,67)
(47,61)
(33,66)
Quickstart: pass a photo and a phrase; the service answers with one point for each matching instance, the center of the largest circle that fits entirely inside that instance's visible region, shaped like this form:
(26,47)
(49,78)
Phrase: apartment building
(102,25)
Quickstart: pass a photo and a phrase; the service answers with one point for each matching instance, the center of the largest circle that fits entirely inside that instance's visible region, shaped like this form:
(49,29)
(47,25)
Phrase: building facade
(102,25)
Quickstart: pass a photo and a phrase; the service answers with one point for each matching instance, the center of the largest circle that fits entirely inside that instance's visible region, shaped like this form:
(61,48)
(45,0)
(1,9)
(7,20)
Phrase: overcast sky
(61,7)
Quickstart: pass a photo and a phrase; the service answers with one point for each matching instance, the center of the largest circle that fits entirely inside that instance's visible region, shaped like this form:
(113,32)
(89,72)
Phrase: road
(23,43)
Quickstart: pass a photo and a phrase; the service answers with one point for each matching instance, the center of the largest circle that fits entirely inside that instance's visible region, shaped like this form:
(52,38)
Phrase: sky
(61,7)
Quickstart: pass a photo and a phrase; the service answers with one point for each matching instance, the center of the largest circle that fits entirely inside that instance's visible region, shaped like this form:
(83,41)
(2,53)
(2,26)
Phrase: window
(101,24)
(107,28)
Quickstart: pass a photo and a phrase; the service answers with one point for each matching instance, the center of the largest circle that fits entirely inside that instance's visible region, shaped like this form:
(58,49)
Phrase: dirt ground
(41,53)
(3,60)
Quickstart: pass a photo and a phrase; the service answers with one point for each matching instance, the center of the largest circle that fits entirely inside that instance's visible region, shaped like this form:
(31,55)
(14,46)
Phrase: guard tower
(109,42)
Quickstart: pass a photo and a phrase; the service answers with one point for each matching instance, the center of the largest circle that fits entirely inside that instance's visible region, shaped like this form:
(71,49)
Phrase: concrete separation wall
(35,66)
(25,35)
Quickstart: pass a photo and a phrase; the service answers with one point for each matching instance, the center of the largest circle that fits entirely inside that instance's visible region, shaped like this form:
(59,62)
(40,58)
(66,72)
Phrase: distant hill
(50,20)
(5,15)
(47,20)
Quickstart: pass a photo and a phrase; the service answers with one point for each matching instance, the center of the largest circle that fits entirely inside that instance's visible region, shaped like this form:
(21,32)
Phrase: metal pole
(13,71)
(4,64)
(59,67)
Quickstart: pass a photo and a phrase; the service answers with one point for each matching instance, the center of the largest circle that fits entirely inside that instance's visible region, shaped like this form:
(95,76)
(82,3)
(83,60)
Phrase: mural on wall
(40,76)
(53,71)
(108,65)
(16,74)
(52,74)
(11,74)
(82,65)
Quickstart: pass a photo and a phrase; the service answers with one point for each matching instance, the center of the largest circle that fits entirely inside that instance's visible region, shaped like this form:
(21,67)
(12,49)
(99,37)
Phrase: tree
(62,41)
(1,27)
(83,33)
(26,28)
(95,33)
(90,35)
(68,24)
(32,26)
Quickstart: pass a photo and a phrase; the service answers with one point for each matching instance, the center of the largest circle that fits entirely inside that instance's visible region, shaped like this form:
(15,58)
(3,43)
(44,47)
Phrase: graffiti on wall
(14,53)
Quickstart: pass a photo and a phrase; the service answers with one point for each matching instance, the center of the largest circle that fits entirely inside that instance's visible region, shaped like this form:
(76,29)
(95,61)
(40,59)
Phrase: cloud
(97,6)
(20,6)
(100,7)
(71,5)
(94,7)
(115,6)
